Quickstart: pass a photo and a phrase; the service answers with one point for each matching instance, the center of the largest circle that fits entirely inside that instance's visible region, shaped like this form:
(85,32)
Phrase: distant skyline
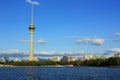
(63,27)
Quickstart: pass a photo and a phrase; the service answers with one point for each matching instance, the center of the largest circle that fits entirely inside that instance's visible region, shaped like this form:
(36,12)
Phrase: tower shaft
(31,48)
(31,57)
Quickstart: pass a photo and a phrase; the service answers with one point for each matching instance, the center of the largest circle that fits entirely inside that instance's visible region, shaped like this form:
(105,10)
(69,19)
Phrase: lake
(59,73)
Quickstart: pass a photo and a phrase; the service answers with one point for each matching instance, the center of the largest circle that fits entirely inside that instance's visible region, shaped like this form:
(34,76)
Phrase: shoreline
(49,66)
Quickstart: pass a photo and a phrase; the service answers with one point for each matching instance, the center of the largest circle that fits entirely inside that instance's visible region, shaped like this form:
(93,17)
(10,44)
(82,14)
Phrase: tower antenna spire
(32,14)
(32,9)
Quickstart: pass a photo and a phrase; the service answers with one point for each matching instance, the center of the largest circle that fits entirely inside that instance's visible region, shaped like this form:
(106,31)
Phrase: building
(17,60)
(68,59)
(4,59)
(36,59)
(55,58)
(88,57)
(72,59)
(117,55)
(65,59)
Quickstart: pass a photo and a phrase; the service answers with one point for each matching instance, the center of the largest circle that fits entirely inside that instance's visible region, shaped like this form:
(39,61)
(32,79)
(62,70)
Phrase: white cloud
(13,51)
(98,41)
(94,41)
(21,52)
(23,41)
(62,53)
(71,37)
(40,41)
(85,41)
(112,51)
(116,50)
(32,2)
(117,34)
(21,58)
(50,52)
(44,52)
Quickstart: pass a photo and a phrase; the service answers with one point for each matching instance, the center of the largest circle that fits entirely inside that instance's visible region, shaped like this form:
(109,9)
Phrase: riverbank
(1,65)
(58,66)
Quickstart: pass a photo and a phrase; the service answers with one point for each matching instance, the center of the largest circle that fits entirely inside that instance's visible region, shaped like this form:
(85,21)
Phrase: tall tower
(31,28)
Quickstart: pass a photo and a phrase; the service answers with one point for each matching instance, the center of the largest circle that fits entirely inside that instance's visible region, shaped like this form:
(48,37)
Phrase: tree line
(112,61)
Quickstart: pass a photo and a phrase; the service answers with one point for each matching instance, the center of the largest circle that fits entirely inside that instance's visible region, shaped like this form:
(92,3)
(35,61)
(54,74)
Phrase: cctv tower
(31,28)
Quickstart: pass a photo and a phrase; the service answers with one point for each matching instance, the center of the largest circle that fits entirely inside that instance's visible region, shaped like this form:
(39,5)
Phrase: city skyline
(63,27)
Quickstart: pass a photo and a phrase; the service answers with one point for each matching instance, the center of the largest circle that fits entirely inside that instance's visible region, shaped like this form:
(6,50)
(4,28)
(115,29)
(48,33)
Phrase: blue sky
(62,26)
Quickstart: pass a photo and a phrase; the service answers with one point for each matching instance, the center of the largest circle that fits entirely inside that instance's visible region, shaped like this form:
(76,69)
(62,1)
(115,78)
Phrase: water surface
(59,73)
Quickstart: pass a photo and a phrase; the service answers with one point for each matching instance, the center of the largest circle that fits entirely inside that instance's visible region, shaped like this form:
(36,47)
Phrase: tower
(31,29)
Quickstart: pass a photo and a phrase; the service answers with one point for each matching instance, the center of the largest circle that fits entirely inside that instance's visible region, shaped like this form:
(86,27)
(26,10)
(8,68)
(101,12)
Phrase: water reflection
(30,73)
(59,73)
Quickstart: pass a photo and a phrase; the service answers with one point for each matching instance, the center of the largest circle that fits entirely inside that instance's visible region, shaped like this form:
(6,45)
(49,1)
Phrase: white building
(4,59)
(72,58)
(88,57)
(55,58)
(17,60)
(117,55)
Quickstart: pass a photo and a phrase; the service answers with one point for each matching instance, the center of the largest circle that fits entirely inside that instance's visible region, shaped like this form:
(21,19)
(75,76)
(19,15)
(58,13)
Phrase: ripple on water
(59,73)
